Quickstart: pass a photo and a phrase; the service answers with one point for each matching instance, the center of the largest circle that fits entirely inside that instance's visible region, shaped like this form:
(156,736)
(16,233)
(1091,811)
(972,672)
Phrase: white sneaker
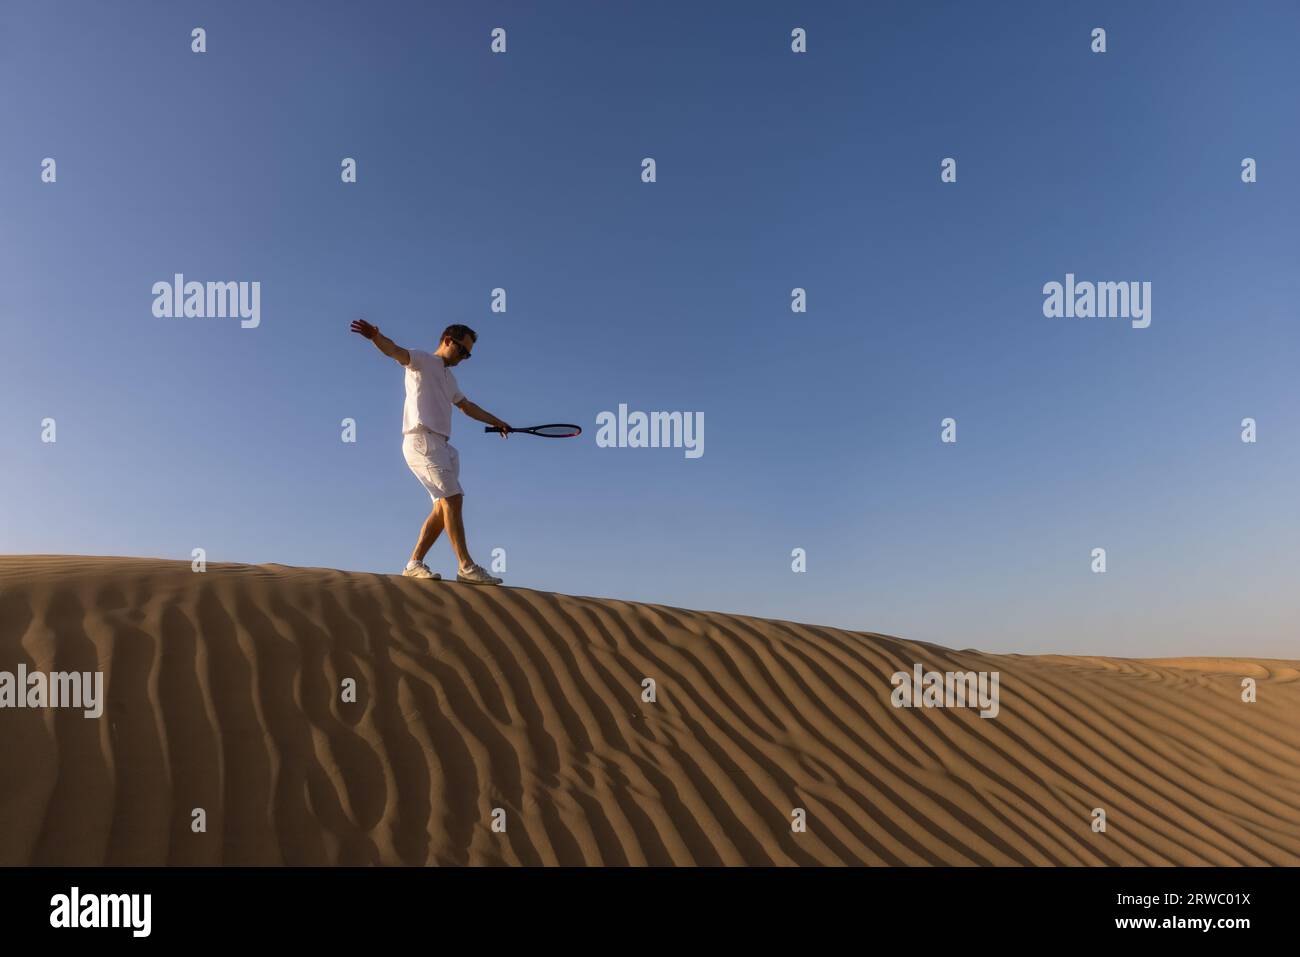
(420,570)
(475,575)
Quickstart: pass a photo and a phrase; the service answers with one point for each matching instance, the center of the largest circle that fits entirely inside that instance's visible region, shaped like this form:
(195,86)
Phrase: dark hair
(457,331)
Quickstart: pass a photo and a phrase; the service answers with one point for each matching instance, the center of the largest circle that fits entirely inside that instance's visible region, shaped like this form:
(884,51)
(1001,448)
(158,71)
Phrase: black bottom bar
(617,907)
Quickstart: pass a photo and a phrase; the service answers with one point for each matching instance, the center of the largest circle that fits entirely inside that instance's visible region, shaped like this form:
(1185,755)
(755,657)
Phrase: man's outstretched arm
(483,415)
(384,344)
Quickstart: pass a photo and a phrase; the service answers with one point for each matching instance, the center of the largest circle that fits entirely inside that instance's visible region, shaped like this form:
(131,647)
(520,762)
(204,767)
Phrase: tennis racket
(554,431)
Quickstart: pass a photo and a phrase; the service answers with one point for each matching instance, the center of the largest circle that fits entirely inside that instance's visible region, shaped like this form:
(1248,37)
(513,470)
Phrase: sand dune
(223,693)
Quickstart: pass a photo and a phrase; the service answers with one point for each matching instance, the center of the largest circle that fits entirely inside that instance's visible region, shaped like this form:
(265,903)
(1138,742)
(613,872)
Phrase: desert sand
(224,693)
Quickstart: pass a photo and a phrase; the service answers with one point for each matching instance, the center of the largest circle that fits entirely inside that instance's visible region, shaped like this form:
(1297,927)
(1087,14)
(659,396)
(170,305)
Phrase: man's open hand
(363,328)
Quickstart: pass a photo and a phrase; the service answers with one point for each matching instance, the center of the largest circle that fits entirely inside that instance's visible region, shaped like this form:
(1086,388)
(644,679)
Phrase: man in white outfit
(431,391)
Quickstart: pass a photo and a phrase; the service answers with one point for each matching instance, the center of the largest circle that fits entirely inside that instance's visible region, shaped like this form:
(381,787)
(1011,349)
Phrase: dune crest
(223,692)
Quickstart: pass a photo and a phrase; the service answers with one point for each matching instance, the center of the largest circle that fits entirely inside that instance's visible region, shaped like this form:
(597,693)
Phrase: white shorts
(435,462)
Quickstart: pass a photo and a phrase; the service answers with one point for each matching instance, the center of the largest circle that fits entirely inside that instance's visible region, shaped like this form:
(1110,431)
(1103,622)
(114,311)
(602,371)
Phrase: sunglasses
(464,353)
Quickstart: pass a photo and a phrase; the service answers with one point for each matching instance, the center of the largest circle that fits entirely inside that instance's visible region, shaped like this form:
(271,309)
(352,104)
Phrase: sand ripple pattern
(223,693)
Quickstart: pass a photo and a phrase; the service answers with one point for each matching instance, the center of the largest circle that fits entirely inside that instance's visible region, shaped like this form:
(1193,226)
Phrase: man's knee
(453,502)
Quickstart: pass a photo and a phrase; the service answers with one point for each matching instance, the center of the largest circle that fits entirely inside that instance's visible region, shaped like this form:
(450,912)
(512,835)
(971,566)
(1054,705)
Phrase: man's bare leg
(456,527)
(429,533)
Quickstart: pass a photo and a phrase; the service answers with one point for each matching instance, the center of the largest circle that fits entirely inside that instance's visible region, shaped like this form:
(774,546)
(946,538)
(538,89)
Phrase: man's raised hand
(385,345)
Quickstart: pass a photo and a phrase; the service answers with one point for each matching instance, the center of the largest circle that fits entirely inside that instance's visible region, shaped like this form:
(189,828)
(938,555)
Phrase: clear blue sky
(774,171)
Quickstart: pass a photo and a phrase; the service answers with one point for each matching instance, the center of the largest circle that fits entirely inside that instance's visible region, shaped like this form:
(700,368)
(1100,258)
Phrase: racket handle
(492,428)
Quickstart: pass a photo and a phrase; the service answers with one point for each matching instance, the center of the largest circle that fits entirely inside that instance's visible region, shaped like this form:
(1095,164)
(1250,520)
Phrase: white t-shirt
(431,391)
